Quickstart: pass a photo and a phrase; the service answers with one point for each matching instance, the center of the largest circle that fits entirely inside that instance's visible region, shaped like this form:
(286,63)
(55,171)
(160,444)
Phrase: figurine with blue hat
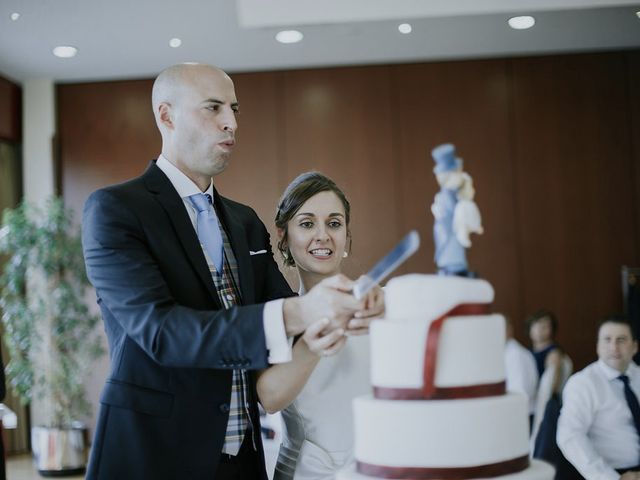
(456,214)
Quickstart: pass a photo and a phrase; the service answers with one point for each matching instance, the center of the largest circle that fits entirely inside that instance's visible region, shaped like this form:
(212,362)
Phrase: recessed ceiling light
(15,16)
(65,51)
(522,23)
(404,28)
(289,36)
(175,42)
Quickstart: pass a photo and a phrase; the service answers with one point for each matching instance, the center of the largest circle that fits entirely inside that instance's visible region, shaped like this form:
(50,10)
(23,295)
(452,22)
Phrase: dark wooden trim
(428,473)
(10,111)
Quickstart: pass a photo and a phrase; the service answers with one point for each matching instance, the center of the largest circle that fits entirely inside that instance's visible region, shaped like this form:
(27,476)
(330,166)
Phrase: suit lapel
(238,240)
(158,184)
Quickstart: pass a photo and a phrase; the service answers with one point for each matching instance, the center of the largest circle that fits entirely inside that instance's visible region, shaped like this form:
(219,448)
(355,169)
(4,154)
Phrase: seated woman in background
(554,368)
(313,235)
(542,327)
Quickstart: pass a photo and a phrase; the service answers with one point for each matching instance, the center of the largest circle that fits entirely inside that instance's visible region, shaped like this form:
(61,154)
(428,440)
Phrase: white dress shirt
(278,344)
(521,373)
(596,432)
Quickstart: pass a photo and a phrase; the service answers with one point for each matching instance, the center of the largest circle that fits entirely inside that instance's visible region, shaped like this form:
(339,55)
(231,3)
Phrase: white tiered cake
(439,409)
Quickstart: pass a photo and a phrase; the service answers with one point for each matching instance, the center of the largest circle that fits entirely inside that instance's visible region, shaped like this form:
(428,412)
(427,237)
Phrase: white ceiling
(122,39)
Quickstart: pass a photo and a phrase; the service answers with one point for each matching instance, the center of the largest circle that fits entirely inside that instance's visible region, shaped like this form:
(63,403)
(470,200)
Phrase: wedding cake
(439,409)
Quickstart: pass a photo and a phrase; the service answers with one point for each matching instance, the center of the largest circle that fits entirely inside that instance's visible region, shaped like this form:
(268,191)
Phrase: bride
(315,393)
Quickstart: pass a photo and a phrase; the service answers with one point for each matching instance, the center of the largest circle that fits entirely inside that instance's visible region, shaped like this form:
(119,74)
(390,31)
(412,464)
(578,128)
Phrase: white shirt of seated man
(521,374)
(596,431)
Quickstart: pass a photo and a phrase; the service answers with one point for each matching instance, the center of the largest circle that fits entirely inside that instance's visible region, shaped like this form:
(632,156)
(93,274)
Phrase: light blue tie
(208,228)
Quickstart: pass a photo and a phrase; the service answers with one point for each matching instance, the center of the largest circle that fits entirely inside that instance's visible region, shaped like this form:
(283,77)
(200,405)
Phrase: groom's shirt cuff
(278,345)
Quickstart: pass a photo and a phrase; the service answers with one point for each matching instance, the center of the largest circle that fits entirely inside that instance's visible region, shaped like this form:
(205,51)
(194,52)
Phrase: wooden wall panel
(123,145)
(106,134)
(10,111)
(338,121)
(15,440)
(574,189)
(465,103)
(553,145)
(254,174)
(633,67)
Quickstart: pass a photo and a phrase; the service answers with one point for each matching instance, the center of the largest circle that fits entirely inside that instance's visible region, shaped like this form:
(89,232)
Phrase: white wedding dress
(318,425)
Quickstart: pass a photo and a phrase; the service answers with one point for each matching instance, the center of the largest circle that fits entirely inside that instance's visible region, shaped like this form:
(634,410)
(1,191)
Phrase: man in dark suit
(186,329)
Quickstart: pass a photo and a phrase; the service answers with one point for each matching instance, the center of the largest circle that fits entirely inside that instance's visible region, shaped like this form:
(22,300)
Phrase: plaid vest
(226,284)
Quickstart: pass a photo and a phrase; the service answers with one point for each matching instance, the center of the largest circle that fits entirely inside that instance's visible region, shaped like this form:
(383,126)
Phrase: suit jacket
(165,405)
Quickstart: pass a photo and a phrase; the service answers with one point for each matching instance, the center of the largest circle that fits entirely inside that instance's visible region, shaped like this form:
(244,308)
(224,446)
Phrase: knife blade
(392,260)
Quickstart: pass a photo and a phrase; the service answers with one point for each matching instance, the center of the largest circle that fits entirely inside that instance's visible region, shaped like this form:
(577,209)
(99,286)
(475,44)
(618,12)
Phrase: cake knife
(392,260)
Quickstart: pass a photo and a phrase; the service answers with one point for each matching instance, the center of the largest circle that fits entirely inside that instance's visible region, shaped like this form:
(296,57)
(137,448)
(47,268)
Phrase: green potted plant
(49,332)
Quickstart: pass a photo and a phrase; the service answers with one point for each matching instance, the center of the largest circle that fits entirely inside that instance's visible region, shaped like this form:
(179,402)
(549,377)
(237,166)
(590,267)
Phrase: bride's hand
(373,308)
(324,343)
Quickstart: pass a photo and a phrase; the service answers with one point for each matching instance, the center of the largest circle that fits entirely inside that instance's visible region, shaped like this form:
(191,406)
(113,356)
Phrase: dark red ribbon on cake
(429,390)
(457,473)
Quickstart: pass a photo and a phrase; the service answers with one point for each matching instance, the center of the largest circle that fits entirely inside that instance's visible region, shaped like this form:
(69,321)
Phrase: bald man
(187,286)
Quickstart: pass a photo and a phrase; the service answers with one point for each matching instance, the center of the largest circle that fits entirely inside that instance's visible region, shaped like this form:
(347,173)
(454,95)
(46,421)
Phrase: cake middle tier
(465,351)
(442,433)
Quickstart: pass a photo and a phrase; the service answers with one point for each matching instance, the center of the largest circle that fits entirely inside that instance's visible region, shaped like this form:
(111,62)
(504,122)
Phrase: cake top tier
(430,296)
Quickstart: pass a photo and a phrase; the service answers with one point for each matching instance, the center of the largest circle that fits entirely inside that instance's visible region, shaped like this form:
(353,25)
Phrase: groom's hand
(324,343)
(331,299)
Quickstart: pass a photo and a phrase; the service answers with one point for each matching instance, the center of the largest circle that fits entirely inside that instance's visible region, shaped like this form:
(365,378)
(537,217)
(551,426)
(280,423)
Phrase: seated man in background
(521,374)
(599,425)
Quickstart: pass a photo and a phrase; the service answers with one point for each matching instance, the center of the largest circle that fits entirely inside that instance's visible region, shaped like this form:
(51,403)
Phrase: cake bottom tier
(488,434)
(537,471)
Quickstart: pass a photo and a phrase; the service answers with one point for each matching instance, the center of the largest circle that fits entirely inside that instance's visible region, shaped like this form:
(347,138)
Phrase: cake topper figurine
(456,214)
